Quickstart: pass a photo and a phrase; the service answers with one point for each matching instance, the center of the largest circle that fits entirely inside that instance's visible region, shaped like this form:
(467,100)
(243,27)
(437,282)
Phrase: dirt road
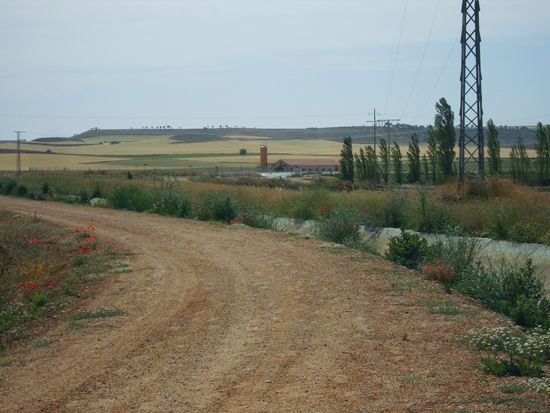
(223,319)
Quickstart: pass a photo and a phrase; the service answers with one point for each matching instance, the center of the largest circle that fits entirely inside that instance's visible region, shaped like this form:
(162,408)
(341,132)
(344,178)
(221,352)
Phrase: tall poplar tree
(385,159)
(432,154)
(371,165)
(346,160)
(397,159)
(493,148)
(542,146)
(414,160)
(445,135)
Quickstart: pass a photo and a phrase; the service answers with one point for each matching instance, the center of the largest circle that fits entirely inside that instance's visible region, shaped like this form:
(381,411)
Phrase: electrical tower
(18,155)
(471,140)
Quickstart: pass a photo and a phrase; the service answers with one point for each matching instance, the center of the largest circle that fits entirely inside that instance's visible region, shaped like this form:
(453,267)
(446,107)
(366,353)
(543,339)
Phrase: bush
(132,198)
(512,366)
(341,225)
(408,250)
(433,216)
(98,193)
(254,218)
(171,202)
(501,219)
(528,313)
(217,207)
(439,271)
(7,186)
(394,212)
(46,190)
(512,289)
(22,190)
(455,249)
(83,196)
(523,232)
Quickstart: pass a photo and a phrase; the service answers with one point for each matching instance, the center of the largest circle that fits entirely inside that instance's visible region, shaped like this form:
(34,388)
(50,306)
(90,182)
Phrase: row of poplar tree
(438,163)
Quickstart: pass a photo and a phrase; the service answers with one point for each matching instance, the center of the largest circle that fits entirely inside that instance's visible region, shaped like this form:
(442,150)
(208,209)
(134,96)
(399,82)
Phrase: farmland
(128,149)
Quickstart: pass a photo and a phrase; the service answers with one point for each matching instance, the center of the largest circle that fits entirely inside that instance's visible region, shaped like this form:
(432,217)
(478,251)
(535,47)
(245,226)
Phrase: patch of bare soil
(222,319)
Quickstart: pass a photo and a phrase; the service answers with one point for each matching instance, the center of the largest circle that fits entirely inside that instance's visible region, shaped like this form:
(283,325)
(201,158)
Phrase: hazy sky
(68,65)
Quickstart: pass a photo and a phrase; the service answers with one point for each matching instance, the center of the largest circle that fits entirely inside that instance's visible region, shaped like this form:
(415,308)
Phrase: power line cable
(390,90)
(405,107)
(424,106)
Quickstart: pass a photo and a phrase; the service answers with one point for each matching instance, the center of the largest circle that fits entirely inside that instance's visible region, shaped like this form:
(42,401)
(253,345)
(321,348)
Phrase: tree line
(437,164)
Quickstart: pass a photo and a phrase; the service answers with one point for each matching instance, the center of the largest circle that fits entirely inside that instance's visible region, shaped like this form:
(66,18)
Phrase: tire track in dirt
(223,319)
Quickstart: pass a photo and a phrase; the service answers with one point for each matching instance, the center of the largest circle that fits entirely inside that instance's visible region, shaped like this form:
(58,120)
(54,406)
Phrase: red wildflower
(91,228)
(31,285)
(52,282)
(33,241)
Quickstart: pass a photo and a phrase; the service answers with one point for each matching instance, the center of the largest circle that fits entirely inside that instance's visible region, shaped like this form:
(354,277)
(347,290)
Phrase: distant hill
(359,134)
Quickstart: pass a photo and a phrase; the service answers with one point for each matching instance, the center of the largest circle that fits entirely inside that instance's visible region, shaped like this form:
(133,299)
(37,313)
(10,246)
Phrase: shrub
(407,249)
(479,283)
(254,218)
(216,206)
(129,175)
(98,193)
(46,190)
(455,249)
(170,202)
(524,232)
(433,216)
(528,313)
(394,212)
(439,271)
(7,186)
(501,219)
(512,289)
(83,196)
(512,366)
(131,197)
(341,225)
(22,190)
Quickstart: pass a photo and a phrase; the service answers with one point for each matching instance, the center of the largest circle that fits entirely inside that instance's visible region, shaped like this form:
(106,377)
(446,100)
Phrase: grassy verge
(497,209)
(43,269)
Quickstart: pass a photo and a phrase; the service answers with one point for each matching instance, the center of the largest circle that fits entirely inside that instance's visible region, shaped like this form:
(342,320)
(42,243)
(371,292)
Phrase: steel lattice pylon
(471,108)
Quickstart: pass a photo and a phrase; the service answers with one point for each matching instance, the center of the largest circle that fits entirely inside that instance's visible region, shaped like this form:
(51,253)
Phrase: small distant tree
(445,135)
(414,160)
(360,166)
(426,168)
(520,164)
(397,159)
(493,148)
(542,146)
(514,163)
(432,155)
(242,151)
(346,160)
(372,173)
(385,159)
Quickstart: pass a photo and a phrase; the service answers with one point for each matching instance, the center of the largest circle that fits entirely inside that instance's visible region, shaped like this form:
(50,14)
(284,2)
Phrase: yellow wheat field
(93,152)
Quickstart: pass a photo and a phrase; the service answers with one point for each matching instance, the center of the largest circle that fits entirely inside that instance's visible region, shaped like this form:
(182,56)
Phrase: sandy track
(223,319)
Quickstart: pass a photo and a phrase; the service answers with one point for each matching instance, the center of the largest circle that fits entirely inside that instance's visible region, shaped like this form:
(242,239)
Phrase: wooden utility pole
(18,154)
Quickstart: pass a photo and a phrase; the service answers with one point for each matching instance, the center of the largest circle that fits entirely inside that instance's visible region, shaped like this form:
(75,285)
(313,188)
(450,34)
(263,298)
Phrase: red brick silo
(263,156)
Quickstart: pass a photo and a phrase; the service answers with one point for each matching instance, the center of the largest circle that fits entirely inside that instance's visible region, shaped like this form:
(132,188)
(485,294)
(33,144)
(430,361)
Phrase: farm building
(306,165)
